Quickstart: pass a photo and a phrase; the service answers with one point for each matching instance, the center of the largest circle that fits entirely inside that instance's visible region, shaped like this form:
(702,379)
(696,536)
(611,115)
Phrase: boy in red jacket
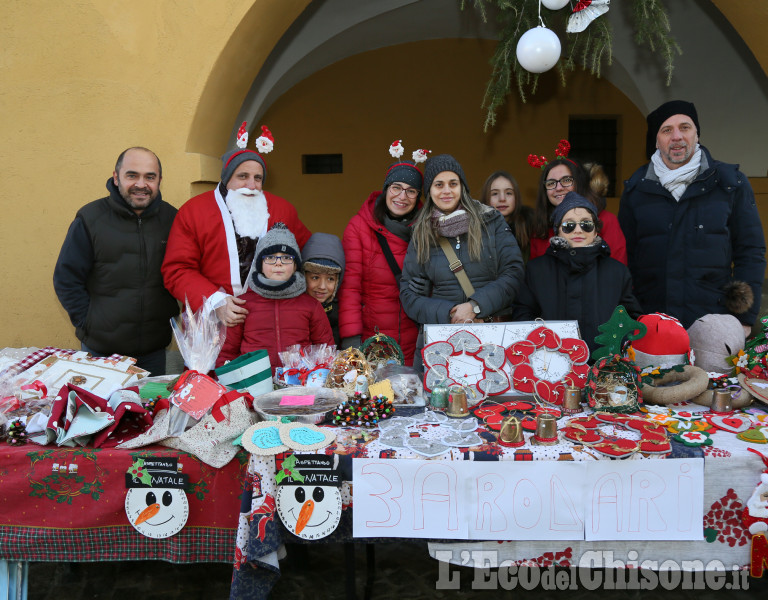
(280,314)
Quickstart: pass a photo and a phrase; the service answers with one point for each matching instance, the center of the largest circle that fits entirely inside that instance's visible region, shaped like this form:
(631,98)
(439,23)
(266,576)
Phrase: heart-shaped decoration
(523,378)
(426,447)
(493,356)
(493,383)
(654,444)
(544,336)
(733,423)
(520,352)
(462,440)
(464,341)
(585,422)
(576,349)
(581,436)
(617,448)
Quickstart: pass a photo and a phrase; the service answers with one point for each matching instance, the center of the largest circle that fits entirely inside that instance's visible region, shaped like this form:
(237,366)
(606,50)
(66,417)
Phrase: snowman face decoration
(310,512)
(157,512)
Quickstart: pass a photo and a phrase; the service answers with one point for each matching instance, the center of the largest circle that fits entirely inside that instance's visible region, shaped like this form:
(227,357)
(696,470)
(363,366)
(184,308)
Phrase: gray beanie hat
(572,200)
(234,158)
(278,239)
(438,164)
(405,172)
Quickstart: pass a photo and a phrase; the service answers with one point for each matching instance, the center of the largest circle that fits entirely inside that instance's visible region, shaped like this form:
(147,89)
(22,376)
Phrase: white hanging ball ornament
(538,49)
(554,4)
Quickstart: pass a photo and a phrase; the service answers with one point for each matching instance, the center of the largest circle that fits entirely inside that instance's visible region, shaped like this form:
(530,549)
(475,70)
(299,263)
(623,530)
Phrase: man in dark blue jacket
(108,276)
(695,243)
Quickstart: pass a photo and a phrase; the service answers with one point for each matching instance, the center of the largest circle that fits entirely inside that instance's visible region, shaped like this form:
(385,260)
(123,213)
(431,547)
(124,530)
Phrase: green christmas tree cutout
(139,473)
(614,331)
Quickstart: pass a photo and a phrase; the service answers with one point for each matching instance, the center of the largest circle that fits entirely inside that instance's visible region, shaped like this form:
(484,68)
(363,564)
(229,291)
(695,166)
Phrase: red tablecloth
(50,511)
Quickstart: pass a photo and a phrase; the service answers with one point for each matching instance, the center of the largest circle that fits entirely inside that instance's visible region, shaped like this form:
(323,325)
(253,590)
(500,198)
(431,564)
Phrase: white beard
(756,506)
(249,212)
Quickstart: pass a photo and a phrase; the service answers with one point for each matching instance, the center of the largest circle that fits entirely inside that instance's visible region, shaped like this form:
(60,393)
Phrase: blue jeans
(154,362)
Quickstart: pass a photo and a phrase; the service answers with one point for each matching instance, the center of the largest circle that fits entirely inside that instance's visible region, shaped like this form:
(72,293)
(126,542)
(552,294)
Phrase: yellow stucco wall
(83,79)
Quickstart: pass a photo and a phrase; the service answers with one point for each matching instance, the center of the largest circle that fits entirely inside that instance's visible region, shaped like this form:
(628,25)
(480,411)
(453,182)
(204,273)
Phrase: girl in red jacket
(375,243)
(280,314)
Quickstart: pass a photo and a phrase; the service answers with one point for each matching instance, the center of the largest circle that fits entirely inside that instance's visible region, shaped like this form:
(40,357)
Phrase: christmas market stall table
(730,474)
(69,505)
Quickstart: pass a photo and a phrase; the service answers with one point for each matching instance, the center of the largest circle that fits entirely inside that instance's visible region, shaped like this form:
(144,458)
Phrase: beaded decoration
(362,410)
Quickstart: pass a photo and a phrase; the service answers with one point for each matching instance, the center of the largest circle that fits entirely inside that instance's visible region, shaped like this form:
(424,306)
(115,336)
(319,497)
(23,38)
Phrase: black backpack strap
(396,271)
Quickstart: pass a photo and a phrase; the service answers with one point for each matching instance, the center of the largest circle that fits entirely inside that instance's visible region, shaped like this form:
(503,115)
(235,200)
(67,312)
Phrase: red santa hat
(665,345)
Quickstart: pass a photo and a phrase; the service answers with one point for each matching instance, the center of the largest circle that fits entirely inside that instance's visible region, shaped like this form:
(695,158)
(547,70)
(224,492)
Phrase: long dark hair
(543,211)
(520,219)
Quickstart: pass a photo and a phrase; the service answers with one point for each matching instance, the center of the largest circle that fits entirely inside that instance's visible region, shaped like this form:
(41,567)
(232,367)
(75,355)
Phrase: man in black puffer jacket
(695,243)
(108,277)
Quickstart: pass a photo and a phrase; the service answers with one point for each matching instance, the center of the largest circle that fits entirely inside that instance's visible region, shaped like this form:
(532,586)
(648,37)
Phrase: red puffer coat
(275,324)
(369,297)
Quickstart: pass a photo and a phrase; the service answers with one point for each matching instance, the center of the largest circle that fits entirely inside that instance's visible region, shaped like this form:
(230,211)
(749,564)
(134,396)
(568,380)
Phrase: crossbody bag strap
(454,264)
(393,266)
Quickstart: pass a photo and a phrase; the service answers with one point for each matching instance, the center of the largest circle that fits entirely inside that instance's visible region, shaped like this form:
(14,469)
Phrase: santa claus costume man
(213,239)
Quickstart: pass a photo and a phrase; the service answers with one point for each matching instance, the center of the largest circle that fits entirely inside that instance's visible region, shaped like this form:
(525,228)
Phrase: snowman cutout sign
(156,503)
(309,495)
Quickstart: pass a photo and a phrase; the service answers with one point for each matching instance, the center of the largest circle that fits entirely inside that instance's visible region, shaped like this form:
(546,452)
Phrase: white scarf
(677,180)
(249,212)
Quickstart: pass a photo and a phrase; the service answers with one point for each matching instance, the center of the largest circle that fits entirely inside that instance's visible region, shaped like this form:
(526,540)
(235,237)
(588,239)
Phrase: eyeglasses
(398,189)
(271,259)
(570,226)
(566,182)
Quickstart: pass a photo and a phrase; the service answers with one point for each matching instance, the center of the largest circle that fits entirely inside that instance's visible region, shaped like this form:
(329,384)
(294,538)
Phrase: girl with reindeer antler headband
(375,242)
(558,177)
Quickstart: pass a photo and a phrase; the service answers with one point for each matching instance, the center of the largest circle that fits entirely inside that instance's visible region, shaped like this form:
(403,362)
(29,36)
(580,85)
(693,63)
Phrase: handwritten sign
(544,500)
(297,401)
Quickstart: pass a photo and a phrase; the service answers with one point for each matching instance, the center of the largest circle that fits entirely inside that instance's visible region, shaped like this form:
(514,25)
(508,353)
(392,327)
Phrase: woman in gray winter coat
(482,242)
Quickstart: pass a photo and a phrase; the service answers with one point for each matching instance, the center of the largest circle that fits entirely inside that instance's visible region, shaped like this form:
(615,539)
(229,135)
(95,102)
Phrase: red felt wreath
(525,380)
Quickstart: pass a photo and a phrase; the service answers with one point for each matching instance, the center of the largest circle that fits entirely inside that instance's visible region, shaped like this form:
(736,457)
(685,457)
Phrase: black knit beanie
(234,158)
(657,117)
(572,200)
(438,164)
(404,172)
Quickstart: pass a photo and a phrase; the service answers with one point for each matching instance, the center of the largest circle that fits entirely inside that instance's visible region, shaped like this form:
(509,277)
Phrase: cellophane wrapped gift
(199,335)
(307,366)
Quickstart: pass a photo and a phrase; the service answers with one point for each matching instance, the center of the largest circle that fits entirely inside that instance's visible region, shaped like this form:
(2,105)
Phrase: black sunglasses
(570,226)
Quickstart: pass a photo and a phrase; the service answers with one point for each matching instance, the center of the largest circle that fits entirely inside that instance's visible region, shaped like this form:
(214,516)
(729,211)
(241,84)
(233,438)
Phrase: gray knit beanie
(234,158)
(438,164)
(278,239)
(572,200)
(404,172)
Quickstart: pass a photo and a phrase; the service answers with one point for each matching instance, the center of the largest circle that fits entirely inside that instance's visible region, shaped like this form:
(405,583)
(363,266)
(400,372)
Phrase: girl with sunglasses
(559,177)
(576,278)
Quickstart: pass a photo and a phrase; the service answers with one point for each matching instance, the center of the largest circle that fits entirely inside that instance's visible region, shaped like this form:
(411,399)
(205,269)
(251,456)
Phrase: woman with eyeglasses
(375,242)
(558,177)
(502,192)
(576,278)
(453,227)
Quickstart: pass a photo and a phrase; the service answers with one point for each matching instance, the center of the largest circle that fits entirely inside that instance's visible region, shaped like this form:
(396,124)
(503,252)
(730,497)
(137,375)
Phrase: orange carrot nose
(304,514)
(148,513)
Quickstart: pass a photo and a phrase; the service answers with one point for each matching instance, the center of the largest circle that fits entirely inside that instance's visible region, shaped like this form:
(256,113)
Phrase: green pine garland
(588,49)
